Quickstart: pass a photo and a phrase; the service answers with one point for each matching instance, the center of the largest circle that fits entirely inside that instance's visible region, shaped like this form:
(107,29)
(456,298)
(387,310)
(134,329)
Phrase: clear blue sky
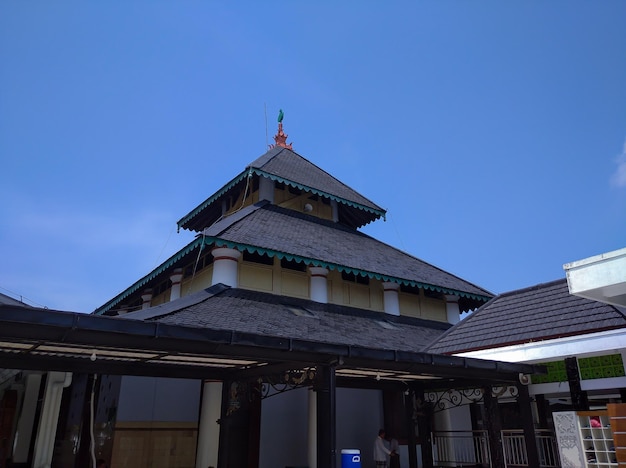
(493,132)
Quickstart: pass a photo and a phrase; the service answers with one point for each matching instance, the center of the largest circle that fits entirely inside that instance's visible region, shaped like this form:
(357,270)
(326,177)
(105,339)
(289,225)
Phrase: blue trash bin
(350,458)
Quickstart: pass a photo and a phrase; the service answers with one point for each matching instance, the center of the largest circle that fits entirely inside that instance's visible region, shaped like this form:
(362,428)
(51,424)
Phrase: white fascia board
(600,278)
(549,389)
(612,341)
(602,384)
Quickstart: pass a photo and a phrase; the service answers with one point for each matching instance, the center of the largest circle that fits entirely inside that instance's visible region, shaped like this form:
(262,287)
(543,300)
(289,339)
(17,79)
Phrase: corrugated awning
(40,339)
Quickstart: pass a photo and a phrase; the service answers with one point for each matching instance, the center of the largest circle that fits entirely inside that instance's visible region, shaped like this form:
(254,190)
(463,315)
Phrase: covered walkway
(45,340)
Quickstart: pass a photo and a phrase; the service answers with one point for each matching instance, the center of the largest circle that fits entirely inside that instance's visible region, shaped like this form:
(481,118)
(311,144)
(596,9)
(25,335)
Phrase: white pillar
(266,189)
(46,432)
(23,433)
(176,278)
(225,266)
(319,284)
(209,429)
(391,298)
(335,208)
(452,309)
(146,298)
(312,434)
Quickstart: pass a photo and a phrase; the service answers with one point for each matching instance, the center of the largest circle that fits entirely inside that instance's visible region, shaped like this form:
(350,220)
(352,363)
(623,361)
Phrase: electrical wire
(22,298)
(243,201)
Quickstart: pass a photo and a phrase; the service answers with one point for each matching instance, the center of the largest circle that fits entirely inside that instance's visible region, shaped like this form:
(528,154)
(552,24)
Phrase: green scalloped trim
(207,241)
(306,188)
(213,197)
(335,266)
(150,276)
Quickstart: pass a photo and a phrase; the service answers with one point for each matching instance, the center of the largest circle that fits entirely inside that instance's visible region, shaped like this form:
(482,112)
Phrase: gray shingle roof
(289,165)
(4,299)
(276,229)
(545,311)
(245,311)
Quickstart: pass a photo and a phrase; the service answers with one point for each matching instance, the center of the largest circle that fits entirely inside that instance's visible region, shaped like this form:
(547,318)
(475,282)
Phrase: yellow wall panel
(294,284)
(434,310)
(410,305)
(201,280)
(376,296)
(255,277)
(359,295)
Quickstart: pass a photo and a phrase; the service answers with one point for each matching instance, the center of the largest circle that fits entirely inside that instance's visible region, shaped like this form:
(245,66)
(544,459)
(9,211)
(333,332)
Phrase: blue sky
(493,132)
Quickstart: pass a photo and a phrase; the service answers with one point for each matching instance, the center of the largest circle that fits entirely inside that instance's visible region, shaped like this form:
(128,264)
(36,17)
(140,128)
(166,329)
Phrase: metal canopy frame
(46,340)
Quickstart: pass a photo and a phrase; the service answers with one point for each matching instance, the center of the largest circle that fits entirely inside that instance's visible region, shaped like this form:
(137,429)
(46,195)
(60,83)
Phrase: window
(301,312)
(292,265)
(433,294)
(405,288)
(161,288)
(294,190)
(351,277)
(203,262)
(255,257)
(386,325)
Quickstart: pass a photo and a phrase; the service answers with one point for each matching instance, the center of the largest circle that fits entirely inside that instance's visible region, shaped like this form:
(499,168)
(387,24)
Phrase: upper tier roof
(542,312)
(286,166)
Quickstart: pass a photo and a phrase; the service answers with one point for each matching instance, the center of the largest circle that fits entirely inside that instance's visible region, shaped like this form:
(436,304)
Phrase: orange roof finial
(281,138)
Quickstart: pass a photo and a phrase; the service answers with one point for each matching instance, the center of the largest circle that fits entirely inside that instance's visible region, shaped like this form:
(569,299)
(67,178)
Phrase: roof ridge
(168,308)
(535,287)
(227,221)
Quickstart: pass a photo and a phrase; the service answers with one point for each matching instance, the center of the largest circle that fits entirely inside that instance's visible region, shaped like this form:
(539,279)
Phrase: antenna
(266,141)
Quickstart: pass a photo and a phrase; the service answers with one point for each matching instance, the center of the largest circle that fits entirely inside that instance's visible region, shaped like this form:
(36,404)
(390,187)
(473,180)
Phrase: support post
(580,402)
(494,428)
(44,443)
(312,429)
(424,429)
(26,420)
(543,409)
(239,425)
(411,440)
(526,414)
(326,417)
(209,429)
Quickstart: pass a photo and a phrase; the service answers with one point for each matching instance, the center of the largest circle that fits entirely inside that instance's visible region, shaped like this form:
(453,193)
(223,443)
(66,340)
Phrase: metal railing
(471,448)
(514,448)
(461,448)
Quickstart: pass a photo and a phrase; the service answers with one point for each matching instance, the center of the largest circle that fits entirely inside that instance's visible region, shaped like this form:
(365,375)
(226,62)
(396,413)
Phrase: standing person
(380,450)
(394,461)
